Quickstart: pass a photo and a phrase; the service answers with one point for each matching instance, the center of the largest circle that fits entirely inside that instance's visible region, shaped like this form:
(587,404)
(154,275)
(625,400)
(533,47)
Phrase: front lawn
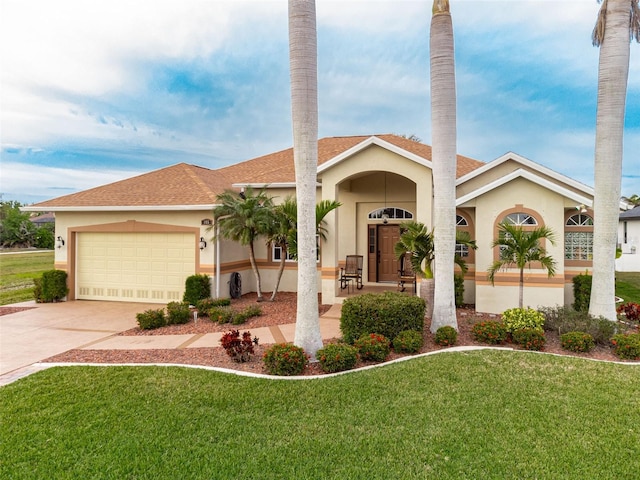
(482,414)
(17,271)
(628,286)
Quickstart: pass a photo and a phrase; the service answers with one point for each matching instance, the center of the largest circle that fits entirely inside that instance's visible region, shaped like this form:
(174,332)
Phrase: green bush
(203,306)
(458,284)
(446,336)
(517,318)
(408,341)
(197,287)
(178,313)
(150,319)
(52,286)
(581,292)
(337,357)
(373,346)
(221,314)
(37,290)
(563,319)
(626,346)
(44,238)
(387,313)
(285,359)
(249,312)
(529,338)
(490,332)
(579,342)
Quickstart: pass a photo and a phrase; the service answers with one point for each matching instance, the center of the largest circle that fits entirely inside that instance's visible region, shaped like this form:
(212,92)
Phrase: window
(461,221)
(578,238)
(390,212)
(462,250)
(464,225)
(520,219)
(276,252)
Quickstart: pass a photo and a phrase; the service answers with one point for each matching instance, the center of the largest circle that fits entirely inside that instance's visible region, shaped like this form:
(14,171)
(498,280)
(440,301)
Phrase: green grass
(628,286)
(17,272)
(483,414)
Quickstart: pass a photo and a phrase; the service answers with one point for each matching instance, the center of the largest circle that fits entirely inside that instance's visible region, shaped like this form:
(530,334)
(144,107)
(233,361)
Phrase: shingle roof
(185,184)
(631,214)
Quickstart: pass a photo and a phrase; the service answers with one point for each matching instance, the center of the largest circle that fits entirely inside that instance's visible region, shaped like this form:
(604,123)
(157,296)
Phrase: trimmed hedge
(51,287)
(337,357)
(386,313)
(581,292)
(196,288)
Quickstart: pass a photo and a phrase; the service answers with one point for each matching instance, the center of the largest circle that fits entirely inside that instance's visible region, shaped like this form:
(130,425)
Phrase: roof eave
(118,208)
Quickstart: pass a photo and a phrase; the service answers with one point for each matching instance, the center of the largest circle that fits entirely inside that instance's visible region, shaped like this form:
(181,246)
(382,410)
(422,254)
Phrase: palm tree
(443,125)
(303,64)
(463,238)
(243,217)
(618,22)
(285,234)
(519,248)
(417,240)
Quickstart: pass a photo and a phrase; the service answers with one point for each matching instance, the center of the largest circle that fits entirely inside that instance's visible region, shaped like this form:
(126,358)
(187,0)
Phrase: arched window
(390,212)
(578,238)
(464,224)
(520,219)
(461,221)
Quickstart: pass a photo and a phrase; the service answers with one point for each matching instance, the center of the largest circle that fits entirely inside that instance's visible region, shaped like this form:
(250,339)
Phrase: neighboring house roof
(184,186)
(43,219)
(633,214)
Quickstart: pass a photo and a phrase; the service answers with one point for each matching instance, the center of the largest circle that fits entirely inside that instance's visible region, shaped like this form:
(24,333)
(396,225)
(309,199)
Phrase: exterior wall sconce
(60,241)
(582,208)
(203,243)
(385,218)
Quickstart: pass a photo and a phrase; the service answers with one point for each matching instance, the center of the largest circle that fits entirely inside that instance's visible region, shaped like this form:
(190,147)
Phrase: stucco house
(138,239)
(629,241)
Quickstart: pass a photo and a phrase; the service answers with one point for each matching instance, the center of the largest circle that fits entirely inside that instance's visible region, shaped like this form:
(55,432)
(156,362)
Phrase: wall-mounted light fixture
(203,243)
(582,208)
(60,241)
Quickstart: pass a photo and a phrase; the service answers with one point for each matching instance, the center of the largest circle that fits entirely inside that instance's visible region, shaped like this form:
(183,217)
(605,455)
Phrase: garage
(134,266)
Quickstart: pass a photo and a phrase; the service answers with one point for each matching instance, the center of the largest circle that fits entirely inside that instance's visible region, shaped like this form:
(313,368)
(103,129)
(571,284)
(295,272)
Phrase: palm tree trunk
(443,125)
(256,272)
(613,71)
(283,257)
(521,289)
(304,106)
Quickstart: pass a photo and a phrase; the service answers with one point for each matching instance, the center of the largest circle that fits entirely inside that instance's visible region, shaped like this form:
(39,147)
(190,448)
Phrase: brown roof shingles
(184,184)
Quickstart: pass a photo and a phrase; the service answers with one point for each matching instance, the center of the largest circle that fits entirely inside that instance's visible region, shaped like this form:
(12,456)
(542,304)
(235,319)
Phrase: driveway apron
(32,335)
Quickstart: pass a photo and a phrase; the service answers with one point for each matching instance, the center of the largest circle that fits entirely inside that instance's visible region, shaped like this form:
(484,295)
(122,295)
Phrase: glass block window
(578,245)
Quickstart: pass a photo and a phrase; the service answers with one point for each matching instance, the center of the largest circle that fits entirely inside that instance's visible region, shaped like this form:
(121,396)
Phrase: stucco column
(424,200)
(329,257)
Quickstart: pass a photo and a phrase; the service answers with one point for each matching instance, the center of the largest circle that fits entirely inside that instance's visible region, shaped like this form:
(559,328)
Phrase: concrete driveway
(32,335)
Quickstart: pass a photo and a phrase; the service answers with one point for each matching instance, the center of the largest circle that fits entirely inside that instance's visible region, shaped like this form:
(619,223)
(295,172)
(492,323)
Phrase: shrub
(246,314)
(581,292)
(44,238)
(197,287)
(517,318)
(221,314)
(529,338)
(563,319)
(52,286)
(387,313)
(489,332)
(177,313)
(285,359)
(150,319)
(458,284)
(37,290)
(337,357)
(579,342)
(239,349)
(203,306)
(408,341)
(446,336)
(626,346)
(631,310)
(373,347)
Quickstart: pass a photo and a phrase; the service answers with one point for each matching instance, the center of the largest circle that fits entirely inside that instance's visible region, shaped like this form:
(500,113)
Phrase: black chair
(352,271)
(406,273)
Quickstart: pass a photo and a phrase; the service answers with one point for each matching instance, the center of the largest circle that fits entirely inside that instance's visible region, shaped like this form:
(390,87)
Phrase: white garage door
(134,267)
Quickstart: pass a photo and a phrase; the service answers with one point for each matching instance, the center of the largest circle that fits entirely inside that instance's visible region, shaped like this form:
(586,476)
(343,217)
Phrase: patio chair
(406,273)
(352,271)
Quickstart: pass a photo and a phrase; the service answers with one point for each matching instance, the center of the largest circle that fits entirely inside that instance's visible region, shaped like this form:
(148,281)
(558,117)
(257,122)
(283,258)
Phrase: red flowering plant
(239,349)
(373,346)
(630,310)
(285,359)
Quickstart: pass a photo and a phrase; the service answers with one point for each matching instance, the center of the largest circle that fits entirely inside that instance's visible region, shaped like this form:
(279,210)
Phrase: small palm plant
(519,248)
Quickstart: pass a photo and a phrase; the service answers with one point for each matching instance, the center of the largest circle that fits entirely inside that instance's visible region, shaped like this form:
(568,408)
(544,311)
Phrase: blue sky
(93,92)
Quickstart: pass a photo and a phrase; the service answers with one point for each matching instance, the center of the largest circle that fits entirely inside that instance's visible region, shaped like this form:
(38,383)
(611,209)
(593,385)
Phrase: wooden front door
(388,236)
